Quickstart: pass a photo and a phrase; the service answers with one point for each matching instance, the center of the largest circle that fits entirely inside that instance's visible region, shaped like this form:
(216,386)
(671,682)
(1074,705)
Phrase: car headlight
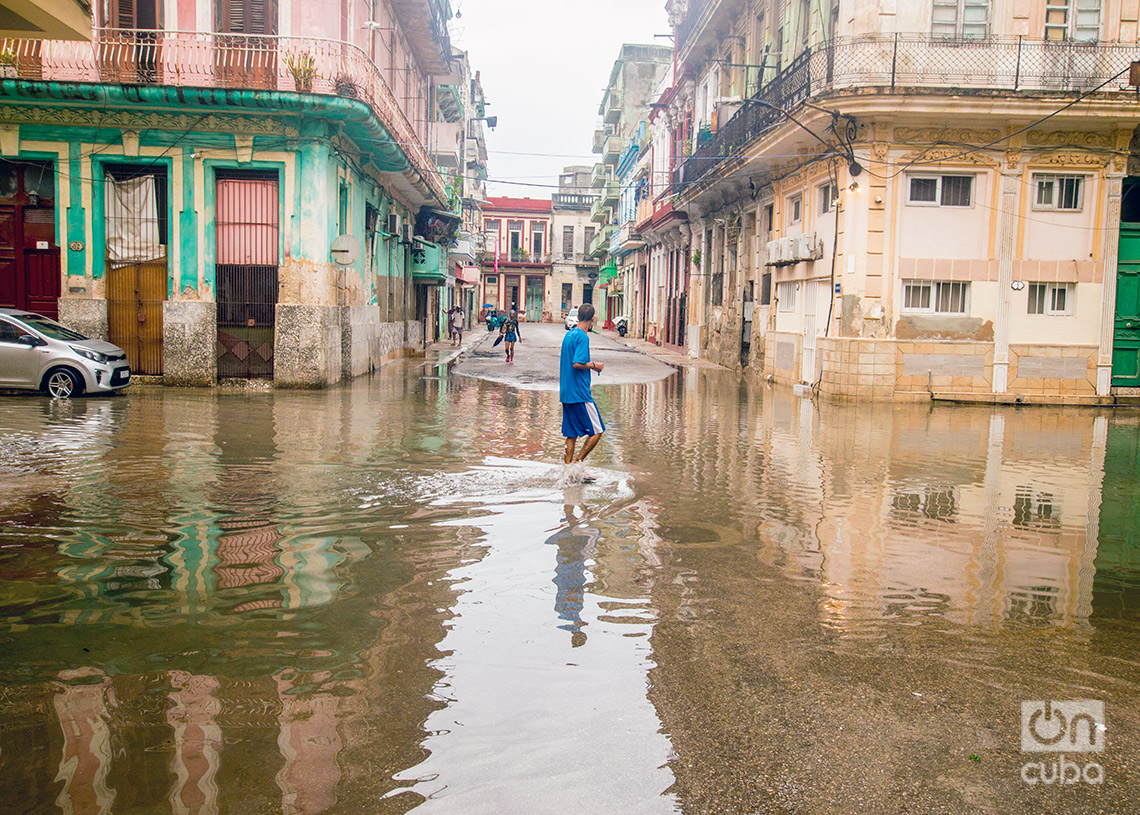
(87,353)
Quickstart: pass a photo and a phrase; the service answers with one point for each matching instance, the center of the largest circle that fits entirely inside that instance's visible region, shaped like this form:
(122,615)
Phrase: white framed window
(1072,20)
(940,190)
(828,197)
(1062,192)
(795,209)
(786,295)
(961,19)
(1053,299)
(936,296)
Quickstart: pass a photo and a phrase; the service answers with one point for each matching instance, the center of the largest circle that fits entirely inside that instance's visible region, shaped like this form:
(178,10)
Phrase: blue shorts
(509,337)
(581,419)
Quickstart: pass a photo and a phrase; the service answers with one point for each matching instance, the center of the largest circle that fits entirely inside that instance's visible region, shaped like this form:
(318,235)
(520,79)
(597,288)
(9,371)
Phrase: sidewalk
(669,357)
(442,353)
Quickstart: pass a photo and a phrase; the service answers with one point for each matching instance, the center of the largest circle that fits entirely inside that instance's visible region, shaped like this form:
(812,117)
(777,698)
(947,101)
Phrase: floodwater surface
(387,597)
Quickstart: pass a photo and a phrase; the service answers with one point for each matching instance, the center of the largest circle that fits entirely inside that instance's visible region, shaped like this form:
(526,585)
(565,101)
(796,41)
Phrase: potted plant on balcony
(303,67)
(345,85)
(9,66)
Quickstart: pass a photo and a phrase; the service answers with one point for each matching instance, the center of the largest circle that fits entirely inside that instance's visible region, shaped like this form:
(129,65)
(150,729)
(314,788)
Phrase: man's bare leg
(570,450)
(590,444)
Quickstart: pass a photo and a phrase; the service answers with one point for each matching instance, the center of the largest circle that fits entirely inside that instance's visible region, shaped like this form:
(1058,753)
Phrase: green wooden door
(1126,329)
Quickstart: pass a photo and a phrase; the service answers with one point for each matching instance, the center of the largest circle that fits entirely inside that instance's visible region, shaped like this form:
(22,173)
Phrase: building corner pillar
(1007,235)
(1111,254)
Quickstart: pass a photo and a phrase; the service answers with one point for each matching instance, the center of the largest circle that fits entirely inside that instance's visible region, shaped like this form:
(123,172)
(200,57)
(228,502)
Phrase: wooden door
(41,259)
(136,227)
(1126,325)
(29,256)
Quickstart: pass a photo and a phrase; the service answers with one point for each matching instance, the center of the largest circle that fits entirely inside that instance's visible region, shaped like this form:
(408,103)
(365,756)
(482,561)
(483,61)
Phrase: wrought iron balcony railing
(889,62)
(240,61)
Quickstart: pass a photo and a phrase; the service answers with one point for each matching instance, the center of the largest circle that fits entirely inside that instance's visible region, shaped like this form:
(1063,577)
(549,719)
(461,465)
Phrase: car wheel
(63,384)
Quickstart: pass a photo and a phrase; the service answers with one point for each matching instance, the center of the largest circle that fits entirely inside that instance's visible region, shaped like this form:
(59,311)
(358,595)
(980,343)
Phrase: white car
(39,354)
(572,318)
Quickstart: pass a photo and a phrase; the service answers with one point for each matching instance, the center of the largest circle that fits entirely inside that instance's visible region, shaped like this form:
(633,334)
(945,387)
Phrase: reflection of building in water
(896,511)
(85,758)
(198,743)
(960,514)
(1117,583)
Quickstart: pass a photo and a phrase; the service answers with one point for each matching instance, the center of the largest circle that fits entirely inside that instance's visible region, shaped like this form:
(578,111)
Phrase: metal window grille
(1059,192)
(916,296)
(956,190)
(247,239)
(949,297)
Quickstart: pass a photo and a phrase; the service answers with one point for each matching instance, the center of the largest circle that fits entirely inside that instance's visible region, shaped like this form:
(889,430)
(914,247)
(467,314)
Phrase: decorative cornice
(1067,138)
(948,155)
(942,135)
(1069,158)
(82,116)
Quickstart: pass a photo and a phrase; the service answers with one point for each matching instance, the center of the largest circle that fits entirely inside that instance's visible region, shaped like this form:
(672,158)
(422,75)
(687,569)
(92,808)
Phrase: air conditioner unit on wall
(393,224)
(807,247)
(406,233)
(772,252)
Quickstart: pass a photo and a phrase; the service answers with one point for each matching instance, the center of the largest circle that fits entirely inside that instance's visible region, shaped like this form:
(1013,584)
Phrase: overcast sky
(545,66)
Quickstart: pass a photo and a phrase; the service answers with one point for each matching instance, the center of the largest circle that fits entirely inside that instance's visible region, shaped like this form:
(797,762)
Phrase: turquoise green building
(232,203)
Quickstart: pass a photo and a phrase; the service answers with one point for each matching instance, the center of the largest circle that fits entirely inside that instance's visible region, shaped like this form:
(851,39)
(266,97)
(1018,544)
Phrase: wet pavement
(537,356)
(384,598)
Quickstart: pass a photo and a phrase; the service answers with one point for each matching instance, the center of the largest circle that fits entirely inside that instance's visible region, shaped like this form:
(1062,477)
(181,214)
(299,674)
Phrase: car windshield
(50,328)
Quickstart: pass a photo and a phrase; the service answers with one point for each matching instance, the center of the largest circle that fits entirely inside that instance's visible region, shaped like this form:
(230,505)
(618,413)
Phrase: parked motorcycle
(622,326)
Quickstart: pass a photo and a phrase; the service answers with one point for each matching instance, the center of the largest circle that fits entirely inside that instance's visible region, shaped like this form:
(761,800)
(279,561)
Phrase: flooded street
(384,598)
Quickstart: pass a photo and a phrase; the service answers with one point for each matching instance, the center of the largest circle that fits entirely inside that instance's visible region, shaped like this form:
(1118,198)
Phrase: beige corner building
(930,199)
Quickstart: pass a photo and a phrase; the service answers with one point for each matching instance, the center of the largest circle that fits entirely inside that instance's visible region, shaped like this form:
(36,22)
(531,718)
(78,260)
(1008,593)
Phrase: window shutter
(123,14)
(257,18)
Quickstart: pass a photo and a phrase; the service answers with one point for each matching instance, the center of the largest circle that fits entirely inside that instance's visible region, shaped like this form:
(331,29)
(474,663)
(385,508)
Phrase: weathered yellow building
(891,202)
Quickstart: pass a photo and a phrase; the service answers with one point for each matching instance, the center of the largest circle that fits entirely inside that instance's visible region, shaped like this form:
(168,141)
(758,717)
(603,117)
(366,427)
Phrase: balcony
(573,200)
(601,175)
(577,258)
(194,59)
(600,137)
(463,250)
(522,257)
(599,212)
(446,144)
(601,242)
(612,153)
(611,194)
(612,107)
(890,63)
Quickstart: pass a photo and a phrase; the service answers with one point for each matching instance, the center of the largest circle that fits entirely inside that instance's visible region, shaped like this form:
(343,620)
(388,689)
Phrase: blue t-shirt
(574,383)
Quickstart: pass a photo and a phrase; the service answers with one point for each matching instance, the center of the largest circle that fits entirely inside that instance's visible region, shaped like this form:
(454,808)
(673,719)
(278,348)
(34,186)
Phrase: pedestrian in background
(510,331)
(457,319)
(580,417)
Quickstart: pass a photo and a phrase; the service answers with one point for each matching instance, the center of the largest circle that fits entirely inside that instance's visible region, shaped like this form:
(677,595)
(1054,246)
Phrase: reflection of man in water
(575,544)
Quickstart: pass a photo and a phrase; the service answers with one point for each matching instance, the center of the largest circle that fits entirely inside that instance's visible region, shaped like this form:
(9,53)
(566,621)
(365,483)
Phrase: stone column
(1110,253)
(1010,179)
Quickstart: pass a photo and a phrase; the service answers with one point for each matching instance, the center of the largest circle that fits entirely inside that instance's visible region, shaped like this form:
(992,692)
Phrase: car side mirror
(30,341)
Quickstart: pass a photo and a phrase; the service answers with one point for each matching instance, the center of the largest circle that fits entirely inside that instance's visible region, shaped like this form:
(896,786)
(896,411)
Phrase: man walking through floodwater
(580,415)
